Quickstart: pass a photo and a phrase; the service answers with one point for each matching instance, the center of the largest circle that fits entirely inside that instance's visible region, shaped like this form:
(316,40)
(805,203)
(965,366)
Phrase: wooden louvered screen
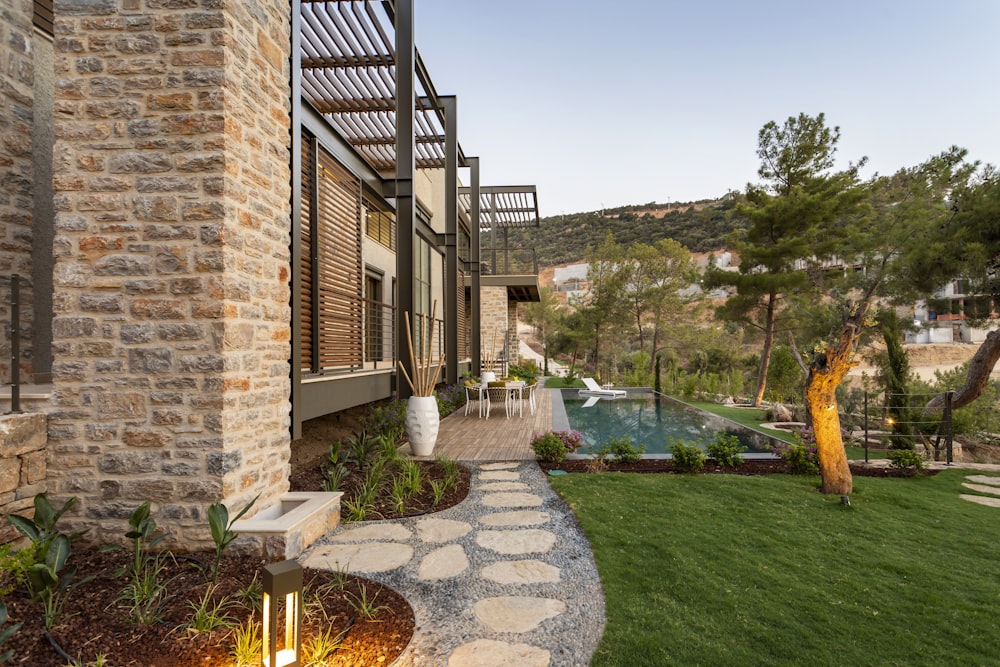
(332,334)
(43,16)
(339,278)
(463,324)
(305,241)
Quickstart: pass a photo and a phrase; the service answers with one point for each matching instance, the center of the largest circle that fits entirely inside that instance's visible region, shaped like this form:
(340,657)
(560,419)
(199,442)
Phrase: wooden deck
(472,438)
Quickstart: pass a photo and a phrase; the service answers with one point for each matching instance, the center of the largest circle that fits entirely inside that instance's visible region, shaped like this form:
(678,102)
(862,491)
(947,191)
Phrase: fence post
(15,344)
(949,432)
(866,427)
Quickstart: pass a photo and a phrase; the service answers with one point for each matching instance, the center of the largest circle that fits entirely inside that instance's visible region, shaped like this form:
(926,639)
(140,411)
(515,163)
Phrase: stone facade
(22,467)
(171,302)
(493,322)
(16,110)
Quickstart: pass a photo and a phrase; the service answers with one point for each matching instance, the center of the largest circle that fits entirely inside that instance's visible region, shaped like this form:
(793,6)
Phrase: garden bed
(94,623)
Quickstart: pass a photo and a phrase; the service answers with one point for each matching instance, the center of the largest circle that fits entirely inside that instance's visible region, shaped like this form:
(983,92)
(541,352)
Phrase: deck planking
(472,438)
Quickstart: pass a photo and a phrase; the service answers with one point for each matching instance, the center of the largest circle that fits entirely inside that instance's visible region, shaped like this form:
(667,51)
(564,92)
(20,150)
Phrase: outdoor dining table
(515,388)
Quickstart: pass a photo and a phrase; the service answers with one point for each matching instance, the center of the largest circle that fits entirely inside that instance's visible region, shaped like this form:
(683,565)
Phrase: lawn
(734,570)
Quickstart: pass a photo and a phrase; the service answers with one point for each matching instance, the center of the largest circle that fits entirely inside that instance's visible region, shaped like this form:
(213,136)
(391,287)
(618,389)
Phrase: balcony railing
(508,261)
(380,336)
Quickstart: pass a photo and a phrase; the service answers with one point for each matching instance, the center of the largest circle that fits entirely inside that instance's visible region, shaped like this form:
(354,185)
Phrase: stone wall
(171,330)
(22,467)
(16,103)
(513,347)
(492,319)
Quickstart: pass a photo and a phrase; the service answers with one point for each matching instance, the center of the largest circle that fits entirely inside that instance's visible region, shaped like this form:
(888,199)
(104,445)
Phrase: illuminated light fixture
(282,581)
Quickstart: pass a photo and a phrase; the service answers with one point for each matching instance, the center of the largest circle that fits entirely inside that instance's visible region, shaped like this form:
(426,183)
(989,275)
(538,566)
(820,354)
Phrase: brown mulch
(93,623)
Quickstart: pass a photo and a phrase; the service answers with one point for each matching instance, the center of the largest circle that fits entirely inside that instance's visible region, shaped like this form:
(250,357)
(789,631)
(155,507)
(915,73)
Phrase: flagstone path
(505,578)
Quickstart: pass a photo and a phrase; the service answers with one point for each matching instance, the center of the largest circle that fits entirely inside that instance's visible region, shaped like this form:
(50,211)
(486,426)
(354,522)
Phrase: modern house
(222,215)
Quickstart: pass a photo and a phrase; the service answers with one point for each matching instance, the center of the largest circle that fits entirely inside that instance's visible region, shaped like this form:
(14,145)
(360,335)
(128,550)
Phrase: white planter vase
(489,376)
(422,422)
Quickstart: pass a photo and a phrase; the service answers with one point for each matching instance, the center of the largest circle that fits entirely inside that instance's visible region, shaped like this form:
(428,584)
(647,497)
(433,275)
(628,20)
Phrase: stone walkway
(987,484)
(505,578)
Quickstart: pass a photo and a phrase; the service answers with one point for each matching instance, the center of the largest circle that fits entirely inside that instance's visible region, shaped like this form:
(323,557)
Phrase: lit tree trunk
(980,367)
(765,355)
(825,374)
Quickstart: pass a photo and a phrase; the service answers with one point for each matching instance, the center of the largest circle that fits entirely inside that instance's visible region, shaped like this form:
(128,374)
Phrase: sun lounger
(594,389)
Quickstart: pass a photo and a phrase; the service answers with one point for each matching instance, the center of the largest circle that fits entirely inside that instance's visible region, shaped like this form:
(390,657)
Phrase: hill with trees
(701,226)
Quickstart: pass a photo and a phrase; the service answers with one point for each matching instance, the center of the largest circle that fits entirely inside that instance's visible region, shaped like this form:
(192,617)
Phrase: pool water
(651,420)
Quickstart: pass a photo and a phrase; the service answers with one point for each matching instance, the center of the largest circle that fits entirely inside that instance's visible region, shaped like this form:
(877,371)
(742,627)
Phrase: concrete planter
(422,422)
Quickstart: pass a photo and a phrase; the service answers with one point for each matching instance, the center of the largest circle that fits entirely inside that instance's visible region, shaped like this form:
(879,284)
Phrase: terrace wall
(171,300)
(22,467)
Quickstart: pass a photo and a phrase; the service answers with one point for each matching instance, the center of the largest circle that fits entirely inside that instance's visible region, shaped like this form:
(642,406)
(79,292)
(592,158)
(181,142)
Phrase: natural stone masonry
(488,587)
(171,329)
(22,466)
(512,500)
(499,475)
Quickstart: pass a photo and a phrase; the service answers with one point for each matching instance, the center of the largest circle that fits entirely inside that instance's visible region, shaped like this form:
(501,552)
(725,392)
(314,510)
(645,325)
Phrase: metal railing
(508,261)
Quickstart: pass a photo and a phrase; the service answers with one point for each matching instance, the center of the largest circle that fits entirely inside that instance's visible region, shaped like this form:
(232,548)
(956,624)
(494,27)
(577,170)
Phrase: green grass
(731,570)
(560,383)
(750,417)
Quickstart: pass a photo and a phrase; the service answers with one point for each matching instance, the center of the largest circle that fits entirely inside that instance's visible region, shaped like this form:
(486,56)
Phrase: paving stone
(511,499)
(522,572)
(504,486)
(516,542)
(376,531)
(500,476)
(516,518)
(501,465)
(984,479)
(354,558)
(492,653)
(448,561)
(982,488)
(515,613)
(441,530)
(981,500)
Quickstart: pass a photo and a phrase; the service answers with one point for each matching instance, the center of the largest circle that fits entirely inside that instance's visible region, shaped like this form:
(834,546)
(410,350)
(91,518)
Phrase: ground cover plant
(737,570)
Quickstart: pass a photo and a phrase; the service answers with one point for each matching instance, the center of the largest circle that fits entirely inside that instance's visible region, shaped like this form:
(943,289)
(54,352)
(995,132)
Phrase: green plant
(222,530)
(336,468)
(6,632)
(247,644)
(554,446)
(400,495)
(210,614)
(100,660)
(318,648)
(251,596)
(624,451)
(438,490)
(365,605)
(49,579)
(801,459)
(451,470)
(14,564)
(725,450)
(906,459)
(145,595)
(687,458)
(357,509)
(412,475)
(362,446)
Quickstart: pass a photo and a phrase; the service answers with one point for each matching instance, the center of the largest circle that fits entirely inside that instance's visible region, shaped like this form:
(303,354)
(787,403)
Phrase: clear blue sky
(605,103)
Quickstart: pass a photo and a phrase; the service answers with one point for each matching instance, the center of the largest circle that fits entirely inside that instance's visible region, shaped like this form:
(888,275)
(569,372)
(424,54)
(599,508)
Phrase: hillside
(700,226)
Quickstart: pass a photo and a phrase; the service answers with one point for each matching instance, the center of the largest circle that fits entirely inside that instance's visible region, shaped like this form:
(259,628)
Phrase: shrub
(624,451)
(553,446)
(687,458)
(725,449)
(906,459)
(527,371)
(801,459)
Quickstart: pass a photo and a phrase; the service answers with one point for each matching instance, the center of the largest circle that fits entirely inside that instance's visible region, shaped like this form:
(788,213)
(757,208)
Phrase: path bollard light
(282,581)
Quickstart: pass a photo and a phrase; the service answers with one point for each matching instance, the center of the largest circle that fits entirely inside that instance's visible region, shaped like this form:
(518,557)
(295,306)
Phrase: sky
(612,102)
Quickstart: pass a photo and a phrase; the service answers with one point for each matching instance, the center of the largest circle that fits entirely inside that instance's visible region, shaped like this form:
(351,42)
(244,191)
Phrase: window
(421,291)
(375,323)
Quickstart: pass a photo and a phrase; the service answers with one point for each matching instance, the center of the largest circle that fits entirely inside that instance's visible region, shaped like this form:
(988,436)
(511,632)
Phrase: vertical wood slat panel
(305,240)
(340,272)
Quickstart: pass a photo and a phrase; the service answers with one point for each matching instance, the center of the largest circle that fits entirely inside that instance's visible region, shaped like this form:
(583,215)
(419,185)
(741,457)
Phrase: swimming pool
(651,420)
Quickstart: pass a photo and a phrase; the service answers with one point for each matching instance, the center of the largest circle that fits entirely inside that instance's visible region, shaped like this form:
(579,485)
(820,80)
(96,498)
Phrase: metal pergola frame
(356,64)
